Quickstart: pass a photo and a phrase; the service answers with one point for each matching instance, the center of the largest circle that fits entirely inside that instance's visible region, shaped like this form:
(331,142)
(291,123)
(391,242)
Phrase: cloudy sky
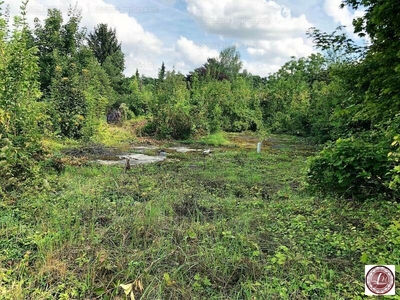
(184,33)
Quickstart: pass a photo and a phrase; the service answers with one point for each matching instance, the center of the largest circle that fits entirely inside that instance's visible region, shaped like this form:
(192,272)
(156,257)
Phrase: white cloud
(264,31)
(269,56)
(284,48)
(141,48)
(194,54)
(129,31)
(261,69)
(342,16)
(272,34)
(247,19)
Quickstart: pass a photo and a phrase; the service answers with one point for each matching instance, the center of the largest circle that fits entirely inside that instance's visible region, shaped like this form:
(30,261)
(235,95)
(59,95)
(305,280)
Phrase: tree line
(59,81)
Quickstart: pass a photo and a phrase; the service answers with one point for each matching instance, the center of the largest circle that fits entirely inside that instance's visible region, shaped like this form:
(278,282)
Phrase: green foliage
(68,102)
(106,49)
(242,109)
(216,139)
(241,227)
(293,98)
(112,67)
(56,40)
(161,73)
(369,107)
(350,168)
(104,43)
(140,97)
(206,98)
(336,46)
(19,92)
(77,89)
(225,105)
(171,108)
(225,67)
(230,62)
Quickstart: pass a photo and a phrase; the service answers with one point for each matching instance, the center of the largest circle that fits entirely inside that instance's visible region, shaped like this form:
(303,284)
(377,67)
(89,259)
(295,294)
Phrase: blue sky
(184,33)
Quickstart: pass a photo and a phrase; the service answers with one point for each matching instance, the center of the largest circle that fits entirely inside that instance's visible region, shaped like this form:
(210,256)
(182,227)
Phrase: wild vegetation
(297,221)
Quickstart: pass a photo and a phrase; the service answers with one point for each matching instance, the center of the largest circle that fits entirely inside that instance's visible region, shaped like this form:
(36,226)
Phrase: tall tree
(105,46)
(104,43)
(161,72)
(380,74)
(55,39)
(230,61)
(363,164)
(226,66)
(337,46)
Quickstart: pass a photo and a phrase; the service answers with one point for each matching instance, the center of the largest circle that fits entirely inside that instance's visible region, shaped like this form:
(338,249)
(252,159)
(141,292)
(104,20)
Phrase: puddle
(179,149)
(184,149)
(145,148)
(147,154)
(141,158)
(134,159)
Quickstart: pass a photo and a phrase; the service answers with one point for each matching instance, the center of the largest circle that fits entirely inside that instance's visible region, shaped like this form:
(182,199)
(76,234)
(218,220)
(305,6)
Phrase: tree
(382,64)
(230,62)
(211,70)
(336,46)
(161,72)
(171,109)
(225,67)
(365,163)
(292,101)
(75,104)
(105,46)
(56,39)
(104,43)
(112,66)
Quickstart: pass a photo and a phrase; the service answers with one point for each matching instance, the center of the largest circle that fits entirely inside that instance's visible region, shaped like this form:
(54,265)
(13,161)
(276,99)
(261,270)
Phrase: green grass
(215,139)
(232,225)
(112,135)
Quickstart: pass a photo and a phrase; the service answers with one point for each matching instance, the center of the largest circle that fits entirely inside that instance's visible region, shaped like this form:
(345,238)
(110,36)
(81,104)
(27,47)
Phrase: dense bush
(366,167)
(171,108)
(351,168)
(201,103)
(19,92)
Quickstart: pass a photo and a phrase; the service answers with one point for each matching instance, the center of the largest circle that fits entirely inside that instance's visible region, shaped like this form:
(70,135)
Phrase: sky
(184,33)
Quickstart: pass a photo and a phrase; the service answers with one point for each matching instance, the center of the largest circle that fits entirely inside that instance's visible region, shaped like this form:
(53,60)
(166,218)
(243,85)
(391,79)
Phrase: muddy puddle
(133,159)
(143,155)
(148,154)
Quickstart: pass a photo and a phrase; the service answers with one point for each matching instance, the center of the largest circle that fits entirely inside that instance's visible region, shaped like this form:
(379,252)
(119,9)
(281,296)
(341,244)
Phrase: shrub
(351,168)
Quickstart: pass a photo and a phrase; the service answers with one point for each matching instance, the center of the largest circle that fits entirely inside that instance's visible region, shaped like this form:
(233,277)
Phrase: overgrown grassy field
(231,225)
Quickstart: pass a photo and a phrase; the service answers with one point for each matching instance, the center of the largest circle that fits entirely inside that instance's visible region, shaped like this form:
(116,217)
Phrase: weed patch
(239,225)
